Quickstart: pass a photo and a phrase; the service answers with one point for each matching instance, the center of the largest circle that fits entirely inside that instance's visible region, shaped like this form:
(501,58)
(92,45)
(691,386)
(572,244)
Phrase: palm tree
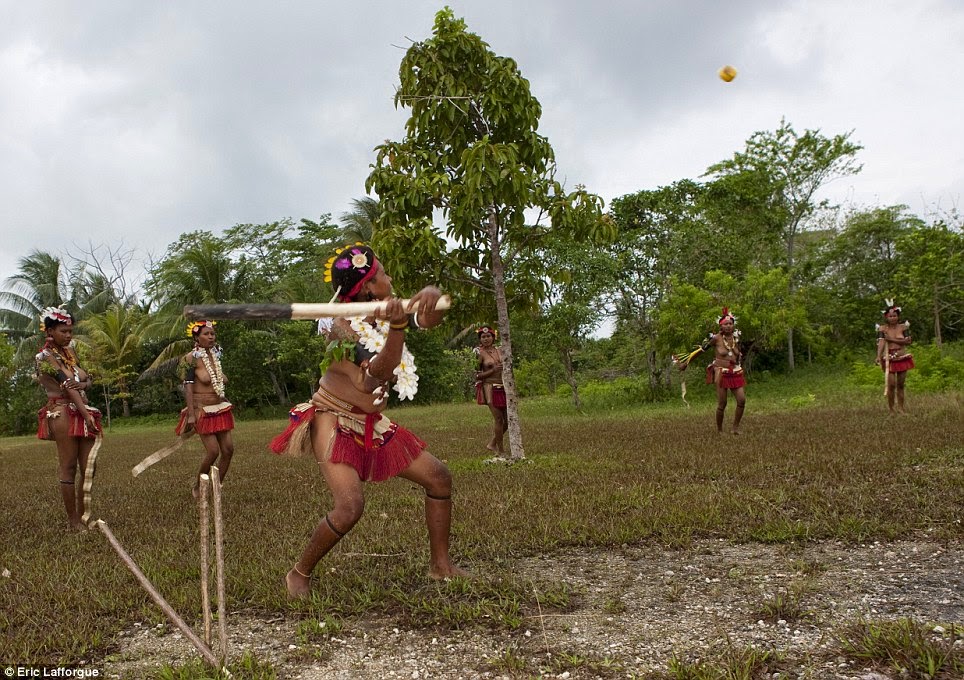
(359,223)
(114,340)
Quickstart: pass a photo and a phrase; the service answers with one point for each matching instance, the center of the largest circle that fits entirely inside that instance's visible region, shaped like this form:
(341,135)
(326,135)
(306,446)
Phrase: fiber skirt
(208,419)
(57,408)
(490,394)
(382,457)
(731,379)
(904,363)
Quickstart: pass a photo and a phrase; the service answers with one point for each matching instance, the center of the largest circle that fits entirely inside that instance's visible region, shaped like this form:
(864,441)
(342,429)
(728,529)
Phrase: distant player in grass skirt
(489,390)
(67,418)
(726,370)
(343,426)
(893,337)
(207,412)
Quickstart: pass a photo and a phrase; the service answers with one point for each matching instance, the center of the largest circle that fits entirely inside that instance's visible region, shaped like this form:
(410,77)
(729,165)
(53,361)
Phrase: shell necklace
(212,362)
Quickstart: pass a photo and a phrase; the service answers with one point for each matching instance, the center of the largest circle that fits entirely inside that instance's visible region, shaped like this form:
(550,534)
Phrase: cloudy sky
(133,122)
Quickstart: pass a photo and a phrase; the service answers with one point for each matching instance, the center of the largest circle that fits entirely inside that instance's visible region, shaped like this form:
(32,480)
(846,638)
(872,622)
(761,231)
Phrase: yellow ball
(727,73)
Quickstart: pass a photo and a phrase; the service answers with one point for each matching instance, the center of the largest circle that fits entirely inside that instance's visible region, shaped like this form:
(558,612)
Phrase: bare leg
(349,503)
(67,453)
(211,452)
(499,426)
(226,445)
(891,389)
(740,394)
(720,406)
(900,379)
(433,476)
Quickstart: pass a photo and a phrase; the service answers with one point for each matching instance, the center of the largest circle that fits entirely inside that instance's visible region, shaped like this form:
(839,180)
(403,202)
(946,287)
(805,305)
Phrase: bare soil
(634,609)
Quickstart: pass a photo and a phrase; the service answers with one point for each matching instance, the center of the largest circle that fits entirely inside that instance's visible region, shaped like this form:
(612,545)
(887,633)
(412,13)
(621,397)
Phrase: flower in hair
(195,327)
(358,260)
(487,329)
(58,314)
(726,315)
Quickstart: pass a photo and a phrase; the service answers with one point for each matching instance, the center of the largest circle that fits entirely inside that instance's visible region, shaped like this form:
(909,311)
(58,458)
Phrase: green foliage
(934,371)
(472,151)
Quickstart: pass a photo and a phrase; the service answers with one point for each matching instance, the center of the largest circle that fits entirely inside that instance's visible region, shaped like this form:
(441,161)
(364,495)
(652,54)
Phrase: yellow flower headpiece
(195,327)
(331,260)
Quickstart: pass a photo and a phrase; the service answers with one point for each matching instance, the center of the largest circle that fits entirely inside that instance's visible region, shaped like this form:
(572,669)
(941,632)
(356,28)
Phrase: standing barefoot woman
(66,418)
(489,390)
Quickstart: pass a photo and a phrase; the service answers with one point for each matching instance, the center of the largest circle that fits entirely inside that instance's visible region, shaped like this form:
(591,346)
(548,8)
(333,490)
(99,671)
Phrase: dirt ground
(635,609)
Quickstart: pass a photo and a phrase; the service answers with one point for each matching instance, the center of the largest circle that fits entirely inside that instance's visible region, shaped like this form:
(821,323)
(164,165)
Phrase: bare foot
(196,491)
(78,526)
(297,585)
(441,573)
(735,432)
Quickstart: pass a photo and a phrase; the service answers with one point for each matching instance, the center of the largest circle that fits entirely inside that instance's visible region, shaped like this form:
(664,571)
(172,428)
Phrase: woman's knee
(67,471)
(347,511)
(439,482)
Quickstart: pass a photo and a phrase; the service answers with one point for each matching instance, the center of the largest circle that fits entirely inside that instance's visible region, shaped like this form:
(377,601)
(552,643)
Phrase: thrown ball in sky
(727,73)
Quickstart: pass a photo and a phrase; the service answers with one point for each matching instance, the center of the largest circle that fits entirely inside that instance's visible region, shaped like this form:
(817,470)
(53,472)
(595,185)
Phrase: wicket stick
(219,560)
(161,602)
(205,550)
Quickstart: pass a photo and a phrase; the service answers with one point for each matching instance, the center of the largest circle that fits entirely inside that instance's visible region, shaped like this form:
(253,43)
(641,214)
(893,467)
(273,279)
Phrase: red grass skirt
(904,363)
(78,426)
(730,379)
(208,421)
(496,394)
(382,459)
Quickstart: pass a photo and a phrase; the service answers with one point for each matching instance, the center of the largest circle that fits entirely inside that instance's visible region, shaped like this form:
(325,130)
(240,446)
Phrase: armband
(189,375)
(415,321)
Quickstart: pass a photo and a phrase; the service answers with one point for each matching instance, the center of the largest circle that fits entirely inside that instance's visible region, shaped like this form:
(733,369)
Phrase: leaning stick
(886,371)
(205,554)
(219,560)
(156,596)
(297,310)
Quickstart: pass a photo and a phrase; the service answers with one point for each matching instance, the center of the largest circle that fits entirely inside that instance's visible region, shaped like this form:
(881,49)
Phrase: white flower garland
(213,368)
(372,338)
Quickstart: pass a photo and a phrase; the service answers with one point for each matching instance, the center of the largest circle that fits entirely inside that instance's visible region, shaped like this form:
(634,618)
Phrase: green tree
(472,152)
(115,339)
(795,168)
(932,274)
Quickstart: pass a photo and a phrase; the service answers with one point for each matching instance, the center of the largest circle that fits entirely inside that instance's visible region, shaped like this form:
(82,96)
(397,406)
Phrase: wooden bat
(296,310)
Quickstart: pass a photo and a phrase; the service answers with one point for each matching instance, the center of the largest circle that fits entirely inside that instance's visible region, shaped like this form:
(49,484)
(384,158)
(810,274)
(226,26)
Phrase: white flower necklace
(372,336)
(212,362)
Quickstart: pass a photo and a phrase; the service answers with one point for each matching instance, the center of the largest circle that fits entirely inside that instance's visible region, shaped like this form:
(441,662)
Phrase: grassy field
(817,460)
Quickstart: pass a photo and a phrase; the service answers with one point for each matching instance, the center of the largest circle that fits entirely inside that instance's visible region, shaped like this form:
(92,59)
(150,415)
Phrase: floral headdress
(487,329)
(889,302)
(349,268)
(195,327)
(726,315)
(53,316)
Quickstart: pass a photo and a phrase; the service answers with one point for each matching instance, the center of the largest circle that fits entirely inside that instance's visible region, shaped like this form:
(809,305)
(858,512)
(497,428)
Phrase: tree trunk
(937,322)
(790,349)
(279,392)
(517,451)
(125,408)
(570,377)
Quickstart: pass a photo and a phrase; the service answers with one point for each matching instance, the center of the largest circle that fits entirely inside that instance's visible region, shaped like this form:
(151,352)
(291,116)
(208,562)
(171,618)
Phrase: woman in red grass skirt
(726,371)
(893,337)
(488,386)
(67,418)
(206,411)
(343,426)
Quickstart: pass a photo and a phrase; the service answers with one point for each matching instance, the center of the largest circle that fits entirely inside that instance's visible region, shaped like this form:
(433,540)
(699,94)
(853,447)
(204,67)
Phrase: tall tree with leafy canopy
(795,167)
(472,152)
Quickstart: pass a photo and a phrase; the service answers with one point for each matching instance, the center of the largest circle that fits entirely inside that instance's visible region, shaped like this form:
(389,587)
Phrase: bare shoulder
(341,330)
